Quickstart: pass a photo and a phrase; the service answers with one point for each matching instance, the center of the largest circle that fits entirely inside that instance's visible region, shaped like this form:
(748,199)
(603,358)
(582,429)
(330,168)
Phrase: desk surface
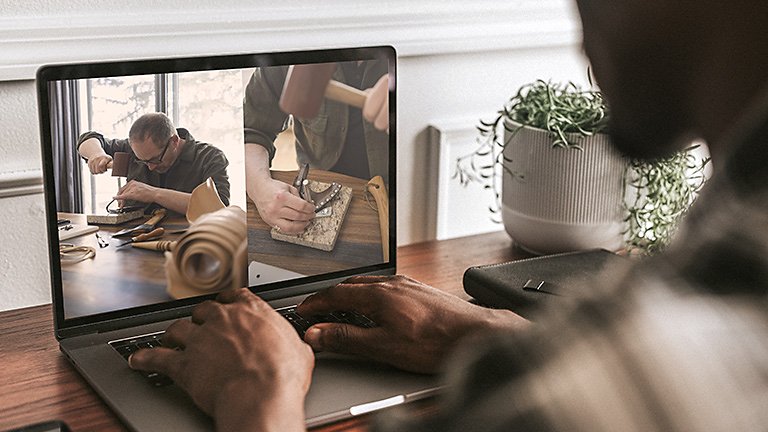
(37,383)
(116,278)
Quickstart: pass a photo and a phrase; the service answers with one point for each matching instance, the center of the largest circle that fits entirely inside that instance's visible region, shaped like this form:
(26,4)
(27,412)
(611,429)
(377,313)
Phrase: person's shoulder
(205,151)
(90,134)
(204,148)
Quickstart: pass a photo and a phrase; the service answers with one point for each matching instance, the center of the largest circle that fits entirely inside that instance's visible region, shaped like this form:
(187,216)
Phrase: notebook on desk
(107,304)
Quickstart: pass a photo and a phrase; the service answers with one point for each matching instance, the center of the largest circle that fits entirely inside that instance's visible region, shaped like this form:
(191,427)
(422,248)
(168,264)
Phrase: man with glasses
(166,163)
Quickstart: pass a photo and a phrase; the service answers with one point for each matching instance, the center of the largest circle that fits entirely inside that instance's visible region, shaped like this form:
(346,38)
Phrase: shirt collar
(188,151)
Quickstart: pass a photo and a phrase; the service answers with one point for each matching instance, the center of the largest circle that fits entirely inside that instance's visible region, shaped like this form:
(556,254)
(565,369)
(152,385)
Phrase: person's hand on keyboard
(240,361)
(418,325)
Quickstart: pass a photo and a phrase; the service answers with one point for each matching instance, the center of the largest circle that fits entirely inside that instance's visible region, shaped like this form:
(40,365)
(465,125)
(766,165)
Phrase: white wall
(456,60)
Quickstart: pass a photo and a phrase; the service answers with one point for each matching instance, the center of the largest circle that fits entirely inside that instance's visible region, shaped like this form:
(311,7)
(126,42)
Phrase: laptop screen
(297,147)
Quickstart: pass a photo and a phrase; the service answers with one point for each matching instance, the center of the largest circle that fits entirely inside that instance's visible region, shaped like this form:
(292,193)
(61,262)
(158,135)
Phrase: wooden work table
(37,383)
(358,243)
(117,278)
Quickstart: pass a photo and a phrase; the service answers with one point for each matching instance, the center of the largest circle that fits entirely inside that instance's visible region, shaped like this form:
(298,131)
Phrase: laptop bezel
(179,308)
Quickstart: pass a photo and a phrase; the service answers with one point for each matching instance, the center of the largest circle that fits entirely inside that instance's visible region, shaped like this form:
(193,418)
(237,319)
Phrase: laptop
(118,296)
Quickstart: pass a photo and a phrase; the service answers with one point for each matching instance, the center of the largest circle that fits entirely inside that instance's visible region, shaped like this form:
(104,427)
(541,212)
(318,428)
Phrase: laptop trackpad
(344,383)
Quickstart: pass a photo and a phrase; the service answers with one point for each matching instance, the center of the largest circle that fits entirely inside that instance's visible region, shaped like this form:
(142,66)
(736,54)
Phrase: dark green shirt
(320,141)
(195,164)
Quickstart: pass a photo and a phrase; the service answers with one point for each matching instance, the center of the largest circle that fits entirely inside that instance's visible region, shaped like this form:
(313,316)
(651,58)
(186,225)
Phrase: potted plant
(559,183)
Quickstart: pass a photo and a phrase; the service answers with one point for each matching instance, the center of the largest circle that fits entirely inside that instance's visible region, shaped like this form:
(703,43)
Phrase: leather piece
(210,256)
(527,285)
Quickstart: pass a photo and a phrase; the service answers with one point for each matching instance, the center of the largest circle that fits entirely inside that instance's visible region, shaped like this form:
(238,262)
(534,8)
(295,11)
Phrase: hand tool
(147,226)
(102,241)
(306,85)
(119,164)
(157,245)
(152,235)
(321,200)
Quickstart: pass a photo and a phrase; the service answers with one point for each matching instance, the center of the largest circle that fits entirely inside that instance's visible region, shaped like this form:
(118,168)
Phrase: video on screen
(177,185)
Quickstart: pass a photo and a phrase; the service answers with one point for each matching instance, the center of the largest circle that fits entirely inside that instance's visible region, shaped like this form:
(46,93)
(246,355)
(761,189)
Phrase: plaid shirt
(678,342)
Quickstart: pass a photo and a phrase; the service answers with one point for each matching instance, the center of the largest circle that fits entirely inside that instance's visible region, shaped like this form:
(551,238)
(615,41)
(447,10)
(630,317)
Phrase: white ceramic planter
(565,199)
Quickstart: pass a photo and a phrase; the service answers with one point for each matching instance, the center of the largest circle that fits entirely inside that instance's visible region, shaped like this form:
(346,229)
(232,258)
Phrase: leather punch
(322,199)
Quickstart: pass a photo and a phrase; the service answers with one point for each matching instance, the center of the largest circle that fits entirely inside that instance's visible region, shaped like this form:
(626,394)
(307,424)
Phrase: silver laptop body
(87,317)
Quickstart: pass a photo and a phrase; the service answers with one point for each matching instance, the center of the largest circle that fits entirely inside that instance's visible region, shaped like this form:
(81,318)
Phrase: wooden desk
(37,383)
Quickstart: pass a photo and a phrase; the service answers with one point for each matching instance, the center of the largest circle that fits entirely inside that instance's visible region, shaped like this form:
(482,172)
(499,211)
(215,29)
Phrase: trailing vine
(657,193)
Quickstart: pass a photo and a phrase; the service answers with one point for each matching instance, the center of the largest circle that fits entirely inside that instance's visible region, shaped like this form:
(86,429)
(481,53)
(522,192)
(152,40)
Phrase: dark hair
(155,126)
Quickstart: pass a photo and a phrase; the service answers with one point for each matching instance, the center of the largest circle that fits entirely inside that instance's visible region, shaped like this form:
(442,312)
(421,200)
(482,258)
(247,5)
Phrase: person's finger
(123,193)
(292,189)
(179,333)
(345,339)
(377,96)
(129,192)
(293,215)
(287,199)
(241,295)
(339,297)
(291,227)
(103,164)
(94,166)
(163,360)
(206,311)
(124,187)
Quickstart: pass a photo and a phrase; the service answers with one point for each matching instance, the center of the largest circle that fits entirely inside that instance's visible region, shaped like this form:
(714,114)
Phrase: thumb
(163,360)
(293,191)
(343,339)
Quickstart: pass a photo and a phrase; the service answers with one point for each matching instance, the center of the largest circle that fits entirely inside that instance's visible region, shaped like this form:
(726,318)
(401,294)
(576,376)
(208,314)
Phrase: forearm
(256,169)
(172,200)
(91,148)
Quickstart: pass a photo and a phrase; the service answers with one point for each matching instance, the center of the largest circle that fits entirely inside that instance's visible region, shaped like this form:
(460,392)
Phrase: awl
(152,235)
(147,226)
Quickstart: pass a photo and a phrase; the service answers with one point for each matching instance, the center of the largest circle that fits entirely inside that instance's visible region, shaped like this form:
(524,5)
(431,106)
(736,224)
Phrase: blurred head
(667,66)
(154,141)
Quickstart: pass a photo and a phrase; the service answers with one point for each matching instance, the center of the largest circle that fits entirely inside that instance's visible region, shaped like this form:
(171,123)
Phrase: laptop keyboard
(302,324)
(126,347)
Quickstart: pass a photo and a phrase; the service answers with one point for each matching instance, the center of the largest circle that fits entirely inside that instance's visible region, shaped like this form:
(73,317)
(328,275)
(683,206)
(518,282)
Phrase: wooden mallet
(307,85)
(119,164)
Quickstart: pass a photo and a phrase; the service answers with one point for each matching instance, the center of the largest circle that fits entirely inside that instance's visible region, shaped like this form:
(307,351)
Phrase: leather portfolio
(524,286)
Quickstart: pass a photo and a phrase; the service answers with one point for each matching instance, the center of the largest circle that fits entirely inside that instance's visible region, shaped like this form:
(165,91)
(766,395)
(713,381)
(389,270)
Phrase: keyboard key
(129,346)
(126,347)
(301,324)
